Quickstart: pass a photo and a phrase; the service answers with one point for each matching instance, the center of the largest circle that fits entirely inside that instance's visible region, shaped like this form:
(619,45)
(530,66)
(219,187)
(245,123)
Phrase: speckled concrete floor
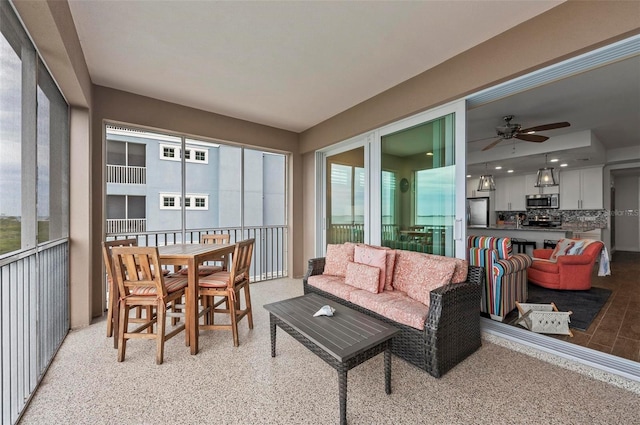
(244,385)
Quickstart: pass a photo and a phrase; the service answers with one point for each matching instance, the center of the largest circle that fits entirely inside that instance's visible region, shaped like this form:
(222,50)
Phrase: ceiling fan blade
(492,144)
(480,140)
(531,137)
(546,127)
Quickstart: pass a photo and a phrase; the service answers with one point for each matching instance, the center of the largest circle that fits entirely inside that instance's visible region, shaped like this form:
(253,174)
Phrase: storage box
(543,318)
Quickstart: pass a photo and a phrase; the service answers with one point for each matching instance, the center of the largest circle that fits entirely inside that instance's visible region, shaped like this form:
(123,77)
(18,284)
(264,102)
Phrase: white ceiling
(294,64)
(287,64)
(605,101)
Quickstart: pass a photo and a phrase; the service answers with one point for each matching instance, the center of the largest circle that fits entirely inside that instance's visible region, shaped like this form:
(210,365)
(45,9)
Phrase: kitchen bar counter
(535,234)
(536,228)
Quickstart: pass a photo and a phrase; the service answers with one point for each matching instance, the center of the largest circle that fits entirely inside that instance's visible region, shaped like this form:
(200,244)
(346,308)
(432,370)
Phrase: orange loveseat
(554,269)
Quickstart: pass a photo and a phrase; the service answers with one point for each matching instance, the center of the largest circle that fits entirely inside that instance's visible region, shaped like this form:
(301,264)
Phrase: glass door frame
(361,141)
(458,109)
(372,143)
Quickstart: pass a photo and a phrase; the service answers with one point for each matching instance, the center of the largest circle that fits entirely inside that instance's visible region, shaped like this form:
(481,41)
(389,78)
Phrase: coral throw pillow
(373,257)
(363,276)
(337,258)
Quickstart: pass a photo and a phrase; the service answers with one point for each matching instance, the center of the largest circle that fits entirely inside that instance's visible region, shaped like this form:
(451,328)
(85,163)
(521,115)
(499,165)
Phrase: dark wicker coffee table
(345,340)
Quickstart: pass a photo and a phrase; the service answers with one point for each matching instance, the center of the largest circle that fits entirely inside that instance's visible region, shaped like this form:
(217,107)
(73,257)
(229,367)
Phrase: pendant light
(546,177)
(486,183)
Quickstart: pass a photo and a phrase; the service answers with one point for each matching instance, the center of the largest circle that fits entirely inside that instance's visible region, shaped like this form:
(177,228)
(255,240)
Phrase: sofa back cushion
(363,276)
(417,274)
(440,273)
(337,258)
(365,254)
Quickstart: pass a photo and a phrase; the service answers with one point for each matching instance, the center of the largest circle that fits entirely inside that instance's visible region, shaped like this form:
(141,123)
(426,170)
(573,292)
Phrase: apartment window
(170,152)
(125,153)
(170,202)
(201,202)
(191,201)
(190,154)
(199,155)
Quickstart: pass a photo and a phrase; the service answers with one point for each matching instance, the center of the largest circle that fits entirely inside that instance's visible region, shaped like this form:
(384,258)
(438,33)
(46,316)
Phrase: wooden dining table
(191,255)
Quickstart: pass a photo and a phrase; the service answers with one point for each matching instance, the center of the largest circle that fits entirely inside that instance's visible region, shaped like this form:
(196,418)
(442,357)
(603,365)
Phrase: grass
(10,233)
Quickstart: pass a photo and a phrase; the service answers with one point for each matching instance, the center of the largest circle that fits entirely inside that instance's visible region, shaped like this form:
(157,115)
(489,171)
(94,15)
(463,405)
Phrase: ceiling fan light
(486,183)
(546,177)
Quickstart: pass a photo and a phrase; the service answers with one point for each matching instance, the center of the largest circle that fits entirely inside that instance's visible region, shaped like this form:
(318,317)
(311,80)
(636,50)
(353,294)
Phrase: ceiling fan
(515,131)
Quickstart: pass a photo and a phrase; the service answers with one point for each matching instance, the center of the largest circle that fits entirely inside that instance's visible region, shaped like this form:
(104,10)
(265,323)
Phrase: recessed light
(468,175)
(563,165)
(554,160)
(429,153)
(499,167)
(509,171)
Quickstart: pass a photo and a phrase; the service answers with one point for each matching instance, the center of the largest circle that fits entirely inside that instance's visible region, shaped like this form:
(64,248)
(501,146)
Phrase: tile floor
(616,328)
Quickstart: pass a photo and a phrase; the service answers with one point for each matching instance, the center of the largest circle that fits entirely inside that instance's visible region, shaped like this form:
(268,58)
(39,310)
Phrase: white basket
(543,318)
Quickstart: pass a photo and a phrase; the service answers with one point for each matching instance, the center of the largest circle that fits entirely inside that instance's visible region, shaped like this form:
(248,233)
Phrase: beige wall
(565,31)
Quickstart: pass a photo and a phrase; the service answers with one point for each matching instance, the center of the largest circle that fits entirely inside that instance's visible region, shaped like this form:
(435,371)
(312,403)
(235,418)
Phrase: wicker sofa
(449,326)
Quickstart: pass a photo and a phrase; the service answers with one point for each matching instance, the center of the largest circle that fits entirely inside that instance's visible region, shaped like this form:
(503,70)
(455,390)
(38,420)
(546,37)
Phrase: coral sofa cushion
(461,267)
(415,268)
(333,285)
(394,305)
(440,273)
(375,257)
(363,276)
(337,258)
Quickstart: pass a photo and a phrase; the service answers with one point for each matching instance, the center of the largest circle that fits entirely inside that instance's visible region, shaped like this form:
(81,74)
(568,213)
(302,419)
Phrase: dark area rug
(584,304)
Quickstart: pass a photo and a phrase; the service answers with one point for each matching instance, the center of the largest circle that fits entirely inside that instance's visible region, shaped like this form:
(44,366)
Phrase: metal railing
(269,254)
(126,174)
(341,233)
(34,320)
(126,225)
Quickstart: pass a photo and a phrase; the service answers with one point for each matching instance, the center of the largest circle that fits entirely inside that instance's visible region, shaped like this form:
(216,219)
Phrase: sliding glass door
(421,182)
(401,186)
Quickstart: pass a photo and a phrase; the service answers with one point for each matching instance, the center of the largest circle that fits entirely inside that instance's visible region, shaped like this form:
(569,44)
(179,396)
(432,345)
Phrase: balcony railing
(269,253)
(34,294)
(126,174)
(130,225)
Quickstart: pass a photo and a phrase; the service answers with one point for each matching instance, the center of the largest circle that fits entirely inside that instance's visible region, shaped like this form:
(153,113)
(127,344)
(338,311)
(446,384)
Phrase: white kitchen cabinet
(581,189)
(472,189)
(510,193)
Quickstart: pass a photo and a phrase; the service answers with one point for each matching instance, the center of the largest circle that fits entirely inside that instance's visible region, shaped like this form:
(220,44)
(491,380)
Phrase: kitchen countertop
(537,228)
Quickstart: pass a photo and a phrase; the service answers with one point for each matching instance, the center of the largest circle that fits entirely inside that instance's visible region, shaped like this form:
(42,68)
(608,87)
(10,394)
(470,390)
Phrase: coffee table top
(344,335)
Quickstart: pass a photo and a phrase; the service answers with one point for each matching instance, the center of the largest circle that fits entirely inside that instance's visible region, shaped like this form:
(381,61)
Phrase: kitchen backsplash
(597,218)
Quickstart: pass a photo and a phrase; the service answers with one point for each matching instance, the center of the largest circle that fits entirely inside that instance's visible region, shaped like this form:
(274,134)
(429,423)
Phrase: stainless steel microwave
(549,201)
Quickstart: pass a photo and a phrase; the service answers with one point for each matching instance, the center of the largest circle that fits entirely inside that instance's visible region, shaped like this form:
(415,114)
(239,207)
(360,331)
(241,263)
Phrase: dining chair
(213,238)
(112,306)
(228,285)
(140,286)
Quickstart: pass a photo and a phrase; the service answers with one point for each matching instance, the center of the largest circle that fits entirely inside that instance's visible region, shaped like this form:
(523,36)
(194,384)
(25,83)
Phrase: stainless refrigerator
(478,212)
